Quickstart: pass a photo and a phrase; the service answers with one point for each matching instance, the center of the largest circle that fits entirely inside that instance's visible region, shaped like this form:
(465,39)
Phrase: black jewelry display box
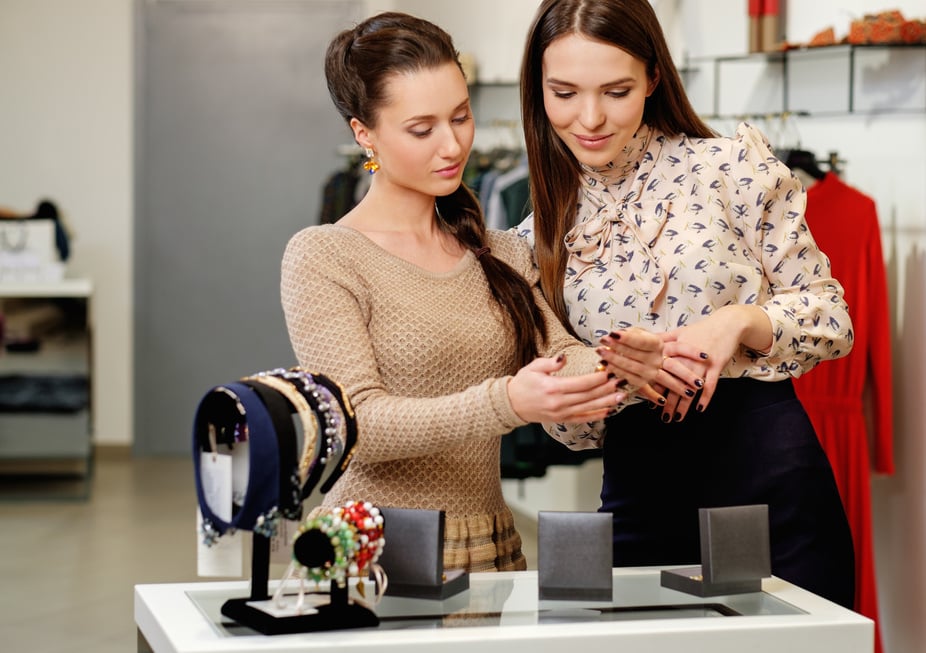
(413,556)
(735,553)
(574,556)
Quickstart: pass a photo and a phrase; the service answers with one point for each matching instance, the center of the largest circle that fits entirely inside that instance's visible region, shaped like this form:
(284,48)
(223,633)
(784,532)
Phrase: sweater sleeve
(326,305)
(580,358)
(810,319)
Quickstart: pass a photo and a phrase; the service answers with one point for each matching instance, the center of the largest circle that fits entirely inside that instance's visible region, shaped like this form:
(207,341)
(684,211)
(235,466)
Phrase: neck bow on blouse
(612,195)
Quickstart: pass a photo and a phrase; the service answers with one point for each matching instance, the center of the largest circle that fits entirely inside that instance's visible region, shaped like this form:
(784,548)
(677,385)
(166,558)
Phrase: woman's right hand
(537,395)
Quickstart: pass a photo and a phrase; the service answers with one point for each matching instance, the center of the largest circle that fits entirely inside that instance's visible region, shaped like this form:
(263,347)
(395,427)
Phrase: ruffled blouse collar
(610,195)
(626,163)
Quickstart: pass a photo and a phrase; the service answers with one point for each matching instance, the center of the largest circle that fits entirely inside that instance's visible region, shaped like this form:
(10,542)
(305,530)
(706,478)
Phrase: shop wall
(66,134)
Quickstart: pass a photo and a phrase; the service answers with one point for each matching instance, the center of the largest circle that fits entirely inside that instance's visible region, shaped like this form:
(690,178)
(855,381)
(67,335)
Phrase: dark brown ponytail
(461,216)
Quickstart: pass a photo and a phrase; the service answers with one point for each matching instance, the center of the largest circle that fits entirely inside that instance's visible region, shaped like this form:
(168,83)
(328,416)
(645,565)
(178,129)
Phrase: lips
(592,142)
(450,171)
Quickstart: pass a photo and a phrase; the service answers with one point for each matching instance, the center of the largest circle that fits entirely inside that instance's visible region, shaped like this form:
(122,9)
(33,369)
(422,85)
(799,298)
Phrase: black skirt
(753,445)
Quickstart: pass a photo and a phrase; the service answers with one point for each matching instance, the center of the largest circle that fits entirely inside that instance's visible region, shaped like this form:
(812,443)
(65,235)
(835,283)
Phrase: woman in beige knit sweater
(431,323)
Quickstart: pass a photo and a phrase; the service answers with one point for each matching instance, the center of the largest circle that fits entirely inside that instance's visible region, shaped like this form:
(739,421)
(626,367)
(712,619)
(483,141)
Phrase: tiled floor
(68,567)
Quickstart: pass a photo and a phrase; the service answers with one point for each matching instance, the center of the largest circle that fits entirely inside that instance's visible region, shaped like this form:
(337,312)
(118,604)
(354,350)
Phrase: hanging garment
(509,199)
(846,395)
(339,194)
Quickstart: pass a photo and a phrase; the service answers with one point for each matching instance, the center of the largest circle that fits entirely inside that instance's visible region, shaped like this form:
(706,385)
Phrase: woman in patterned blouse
(644,217)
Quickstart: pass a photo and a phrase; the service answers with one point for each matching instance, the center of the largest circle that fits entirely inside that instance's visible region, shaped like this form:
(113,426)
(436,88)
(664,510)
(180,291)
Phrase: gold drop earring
(370,165)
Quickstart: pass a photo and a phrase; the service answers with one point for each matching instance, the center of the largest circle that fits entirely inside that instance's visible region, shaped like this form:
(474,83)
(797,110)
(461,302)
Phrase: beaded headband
(350,424)
(323,402)
(316,423)
(220,410)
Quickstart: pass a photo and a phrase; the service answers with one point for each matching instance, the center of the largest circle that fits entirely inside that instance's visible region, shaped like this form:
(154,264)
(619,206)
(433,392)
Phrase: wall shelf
(824,81)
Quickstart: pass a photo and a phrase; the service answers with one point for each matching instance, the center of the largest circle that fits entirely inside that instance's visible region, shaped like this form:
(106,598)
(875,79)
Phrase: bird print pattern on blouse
(679,227)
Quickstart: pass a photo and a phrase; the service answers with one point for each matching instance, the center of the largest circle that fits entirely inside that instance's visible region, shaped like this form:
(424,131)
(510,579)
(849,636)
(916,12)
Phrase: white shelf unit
(46,445)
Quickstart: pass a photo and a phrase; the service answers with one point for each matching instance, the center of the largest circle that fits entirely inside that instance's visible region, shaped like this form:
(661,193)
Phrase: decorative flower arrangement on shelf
(884,28)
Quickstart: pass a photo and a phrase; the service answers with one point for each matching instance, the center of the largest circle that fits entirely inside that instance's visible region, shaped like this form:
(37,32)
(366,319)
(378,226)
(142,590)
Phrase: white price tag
(215,474)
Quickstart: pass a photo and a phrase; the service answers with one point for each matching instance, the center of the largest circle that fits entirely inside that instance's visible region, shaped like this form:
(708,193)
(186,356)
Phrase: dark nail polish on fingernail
(678,417)
(699,383)
(662,401)
(612,375)
(559,359)
(622,383)
(615,335)
(699,408)
(689,392)
(666,418)
(703,355)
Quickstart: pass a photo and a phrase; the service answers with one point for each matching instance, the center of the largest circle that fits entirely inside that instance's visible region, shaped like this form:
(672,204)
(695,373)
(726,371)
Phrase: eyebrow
(425,118)
(617,82)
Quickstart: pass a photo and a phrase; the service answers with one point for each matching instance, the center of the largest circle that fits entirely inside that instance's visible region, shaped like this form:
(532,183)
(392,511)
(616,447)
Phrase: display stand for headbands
(338,614)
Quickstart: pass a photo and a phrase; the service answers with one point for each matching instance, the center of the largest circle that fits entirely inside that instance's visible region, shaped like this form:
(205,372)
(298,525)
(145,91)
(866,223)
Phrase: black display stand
(338,614)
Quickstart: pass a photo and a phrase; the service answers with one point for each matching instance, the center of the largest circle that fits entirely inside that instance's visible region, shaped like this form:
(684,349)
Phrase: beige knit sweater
(425,359)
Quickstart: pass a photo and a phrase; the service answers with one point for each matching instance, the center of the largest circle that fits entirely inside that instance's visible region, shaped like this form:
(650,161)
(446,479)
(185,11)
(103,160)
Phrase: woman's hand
(537,395)
(705,347)
(638,356)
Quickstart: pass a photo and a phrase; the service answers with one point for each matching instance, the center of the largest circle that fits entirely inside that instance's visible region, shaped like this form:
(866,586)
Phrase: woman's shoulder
(745,157)
(748,142)
(507,245)
(510,248)
(329,240)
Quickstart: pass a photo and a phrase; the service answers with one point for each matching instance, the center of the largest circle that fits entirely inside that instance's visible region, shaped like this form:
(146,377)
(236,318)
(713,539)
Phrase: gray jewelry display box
(735,553)
(413,556)
(574,556)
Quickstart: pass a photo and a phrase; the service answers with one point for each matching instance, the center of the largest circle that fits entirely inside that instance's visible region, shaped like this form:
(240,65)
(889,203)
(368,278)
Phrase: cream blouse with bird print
(679,227)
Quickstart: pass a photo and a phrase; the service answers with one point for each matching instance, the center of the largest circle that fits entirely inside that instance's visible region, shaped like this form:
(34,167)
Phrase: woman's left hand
(705,348)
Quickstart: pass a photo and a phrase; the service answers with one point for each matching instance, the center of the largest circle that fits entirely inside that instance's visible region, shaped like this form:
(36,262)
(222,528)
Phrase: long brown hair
(632,26)
(358,66)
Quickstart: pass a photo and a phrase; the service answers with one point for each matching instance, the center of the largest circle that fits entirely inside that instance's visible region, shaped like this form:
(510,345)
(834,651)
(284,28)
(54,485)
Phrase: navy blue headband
(223,407)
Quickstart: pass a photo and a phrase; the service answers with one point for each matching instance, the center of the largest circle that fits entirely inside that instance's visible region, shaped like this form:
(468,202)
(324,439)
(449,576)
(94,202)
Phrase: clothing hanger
(803,160)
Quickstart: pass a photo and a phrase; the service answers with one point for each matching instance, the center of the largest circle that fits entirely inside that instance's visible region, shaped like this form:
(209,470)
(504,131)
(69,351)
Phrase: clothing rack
(800,159)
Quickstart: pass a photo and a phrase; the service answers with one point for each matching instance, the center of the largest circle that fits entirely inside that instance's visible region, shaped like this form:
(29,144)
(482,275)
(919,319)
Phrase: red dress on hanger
(850,397)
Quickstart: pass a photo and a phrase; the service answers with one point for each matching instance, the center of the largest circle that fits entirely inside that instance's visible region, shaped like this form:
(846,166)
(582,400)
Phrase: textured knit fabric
(845,224)
(681,227)
(425,358)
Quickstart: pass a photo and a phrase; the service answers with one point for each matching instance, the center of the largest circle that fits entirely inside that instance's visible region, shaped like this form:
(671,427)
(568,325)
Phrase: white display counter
(501,613)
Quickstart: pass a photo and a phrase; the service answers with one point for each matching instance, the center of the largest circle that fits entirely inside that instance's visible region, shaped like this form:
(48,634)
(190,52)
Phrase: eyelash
(457,121)
(568,94)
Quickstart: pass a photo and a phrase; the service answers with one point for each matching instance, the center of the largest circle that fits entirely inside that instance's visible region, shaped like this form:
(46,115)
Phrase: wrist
(753,325)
